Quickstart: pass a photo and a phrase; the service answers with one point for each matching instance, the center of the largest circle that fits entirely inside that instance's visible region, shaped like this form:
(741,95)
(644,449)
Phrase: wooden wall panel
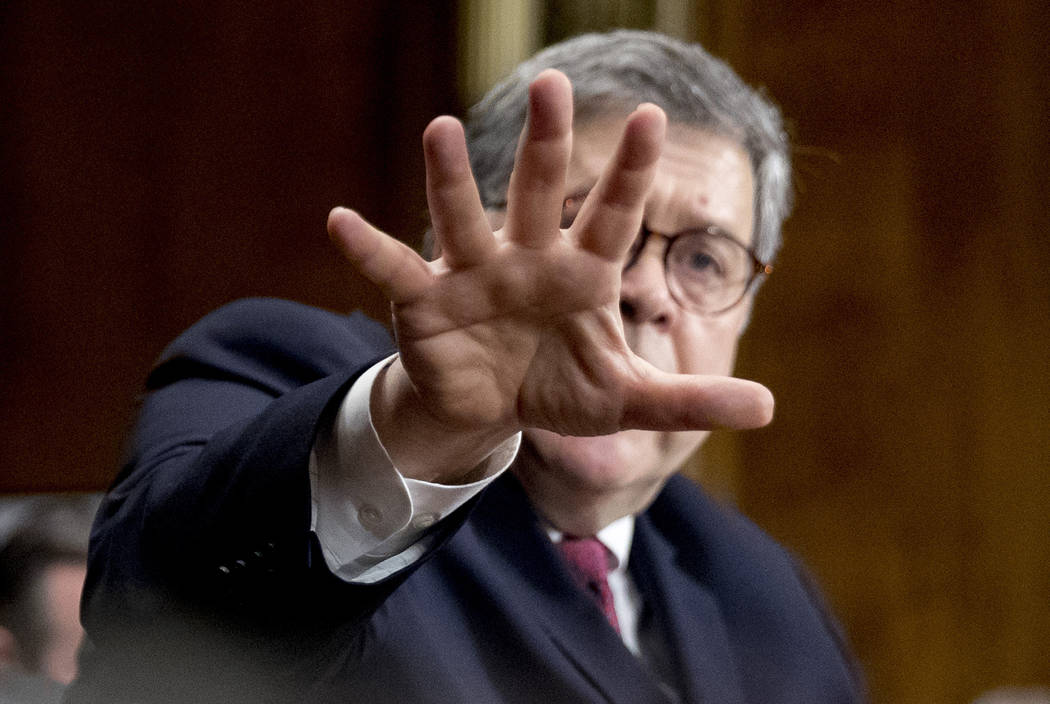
(909,460)
(162,158)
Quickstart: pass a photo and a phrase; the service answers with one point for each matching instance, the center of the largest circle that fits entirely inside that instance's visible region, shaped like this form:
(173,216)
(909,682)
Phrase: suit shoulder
(277,319)
(757,580)
(715,536)
(298,342)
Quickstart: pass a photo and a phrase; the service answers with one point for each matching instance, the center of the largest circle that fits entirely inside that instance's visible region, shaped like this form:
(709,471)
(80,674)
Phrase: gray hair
(614,72)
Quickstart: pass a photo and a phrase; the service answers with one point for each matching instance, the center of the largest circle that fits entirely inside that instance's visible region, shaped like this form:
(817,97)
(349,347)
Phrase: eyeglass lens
(707,271)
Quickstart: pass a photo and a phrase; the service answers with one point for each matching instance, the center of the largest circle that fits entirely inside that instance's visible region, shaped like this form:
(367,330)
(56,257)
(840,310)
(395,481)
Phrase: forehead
(702,178)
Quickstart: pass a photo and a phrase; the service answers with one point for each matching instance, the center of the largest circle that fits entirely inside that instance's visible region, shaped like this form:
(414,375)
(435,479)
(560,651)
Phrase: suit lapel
(687,617)
(541,589)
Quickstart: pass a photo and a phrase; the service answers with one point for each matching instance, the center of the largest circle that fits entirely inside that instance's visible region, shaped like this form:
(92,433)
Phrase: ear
(8,649)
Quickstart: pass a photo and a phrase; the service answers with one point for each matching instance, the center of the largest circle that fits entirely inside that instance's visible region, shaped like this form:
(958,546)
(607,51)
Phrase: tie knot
(588,558)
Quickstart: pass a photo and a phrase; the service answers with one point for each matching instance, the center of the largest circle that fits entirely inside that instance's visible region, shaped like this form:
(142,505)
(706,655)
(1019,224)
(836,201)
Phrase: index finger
(610,217)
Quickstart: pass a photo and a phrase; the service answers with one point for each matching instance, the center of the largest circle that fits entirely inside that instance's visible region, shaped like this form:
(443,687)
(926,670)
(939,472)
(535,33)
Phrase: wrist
(421,445)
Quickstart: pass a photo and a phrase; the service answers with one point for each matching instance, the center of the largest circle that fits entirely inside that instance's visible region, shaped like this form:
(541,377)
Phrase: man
(43,558)
(306,517)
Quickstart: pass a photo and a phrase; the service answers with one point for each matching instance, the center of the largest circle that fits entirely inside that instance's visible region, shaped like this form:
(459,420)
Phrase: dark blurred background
(162,158)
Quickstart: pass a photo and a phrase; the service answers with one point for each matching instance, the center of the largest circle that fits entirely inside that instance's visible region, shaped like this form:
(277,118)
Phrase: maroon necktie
(588,562)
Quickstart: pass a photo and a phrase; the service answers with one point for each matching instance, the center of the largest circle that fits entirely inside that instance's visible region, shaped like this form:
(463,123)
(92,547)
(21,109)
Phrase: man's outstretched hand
(521,328)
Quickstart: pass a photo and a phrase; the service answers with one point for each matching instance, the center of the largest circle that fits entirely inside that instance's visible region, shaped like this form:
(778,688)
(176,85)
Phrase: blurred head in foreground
(43,552)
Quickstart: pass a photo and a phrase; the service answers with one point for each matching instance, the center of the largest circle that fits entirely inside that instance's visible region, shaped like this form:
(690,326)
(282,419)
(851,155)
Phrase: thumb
(667,402)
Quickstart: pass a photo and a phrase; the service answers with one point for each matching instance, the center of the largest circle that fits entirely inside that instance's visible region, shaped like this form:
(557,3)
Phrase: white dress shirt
(368,518)
(372,522)
(617,537)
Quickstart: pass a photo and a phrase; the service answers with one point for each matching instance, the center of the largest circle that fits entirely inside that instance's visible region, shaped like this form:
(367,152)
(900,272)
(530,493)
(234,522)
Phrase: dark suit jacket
(206,584)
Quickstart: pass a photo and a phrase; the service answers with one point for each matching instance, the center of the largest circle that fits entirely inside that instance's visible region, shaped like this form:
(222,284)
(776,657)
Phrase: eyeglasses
(708,270)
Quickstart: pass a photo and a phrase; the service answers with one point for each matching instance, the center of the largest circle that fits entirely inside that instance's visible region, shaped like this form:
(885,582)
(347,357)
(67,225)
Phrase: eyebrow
(705,223)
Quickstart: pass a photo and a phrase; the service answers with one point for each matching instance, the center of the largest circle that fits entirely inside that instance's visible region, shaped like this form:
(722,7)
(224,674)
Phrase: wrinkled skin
(521,328)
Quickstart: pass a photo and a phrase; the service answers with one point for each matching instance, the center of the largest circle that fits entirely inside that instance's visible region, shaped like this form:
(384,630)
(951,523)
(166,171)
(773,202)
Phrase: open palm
(520,328)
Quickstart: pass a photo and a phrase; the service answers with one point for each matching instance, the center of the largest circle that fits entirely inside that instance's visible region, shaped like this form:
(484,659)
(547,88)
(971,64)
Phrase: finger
(537,184)
(610,217)
(667,402)
(399,272)
(459,221)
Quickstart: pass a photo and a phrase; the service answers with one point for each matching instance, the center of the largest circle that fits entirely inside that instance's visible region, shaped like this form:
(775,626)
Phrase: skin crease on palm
(521,329)
(701,179)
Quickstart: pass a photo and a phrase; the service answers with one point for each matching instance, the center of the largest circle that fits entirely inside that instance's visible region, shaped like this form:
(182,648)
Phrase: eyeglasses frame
(758,267)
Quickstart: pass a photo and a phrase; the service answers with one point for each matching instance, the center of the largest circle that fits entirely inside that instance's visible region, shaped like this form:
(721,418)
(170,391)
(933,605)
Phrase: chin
(611,462)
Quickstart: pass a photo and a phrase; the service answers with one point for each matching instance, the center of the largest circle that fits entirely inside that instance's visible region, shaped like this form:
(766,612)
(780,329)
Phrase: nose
(644,296)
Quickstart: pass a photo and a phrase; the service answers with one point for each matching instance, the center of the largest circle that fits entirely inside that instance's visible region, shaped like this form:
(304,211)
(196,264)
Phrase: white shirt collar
(617,536)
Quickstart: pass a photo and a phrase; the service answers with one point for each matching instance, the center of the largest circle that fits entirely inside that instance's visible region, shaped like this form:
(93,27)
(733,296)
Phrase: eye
(699,261)
(695,256)
(704,258)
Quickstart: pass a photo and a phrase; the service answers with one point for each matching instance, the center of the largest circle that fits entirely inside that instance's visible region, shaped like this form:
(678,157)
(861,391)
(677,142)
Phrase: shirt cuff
(368,518)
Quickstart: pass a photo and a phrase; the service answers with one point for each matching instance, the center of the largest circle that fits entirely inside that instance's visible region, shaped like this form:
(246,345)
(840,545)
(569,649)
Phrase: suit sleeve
(211,511)
(205,581)
(372,522)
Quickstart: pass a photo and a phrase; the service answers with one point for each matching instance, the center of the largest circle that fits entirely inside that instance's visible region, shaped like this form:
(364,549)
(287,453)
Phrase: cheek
(621,459)
(693,346)
(593,460)
(708,347)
